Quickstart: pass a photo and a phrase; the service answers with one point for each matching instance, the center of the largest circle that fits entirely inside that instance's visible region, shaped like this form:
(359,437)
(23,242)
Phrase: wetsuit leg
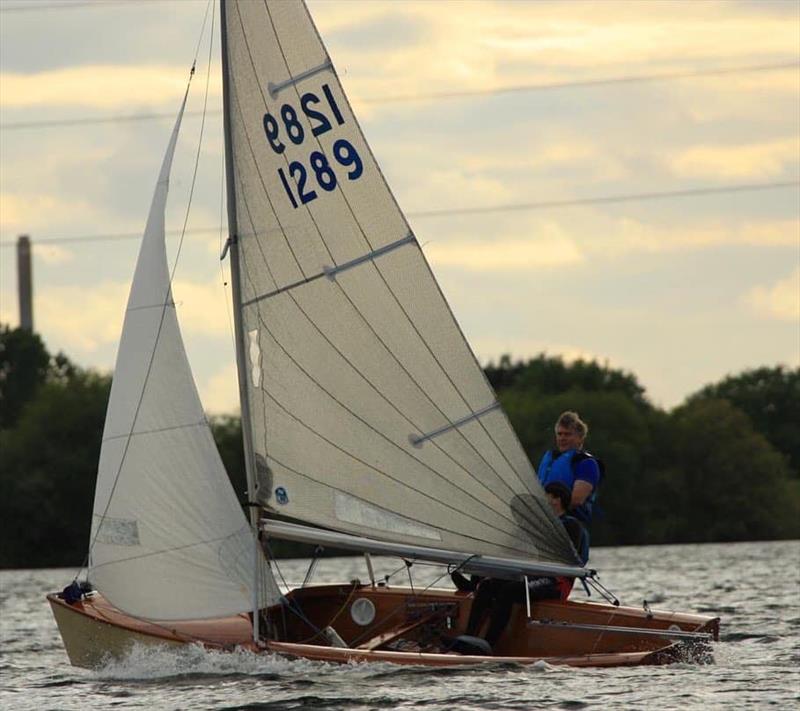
(488,589)
(510,593)
(514,592)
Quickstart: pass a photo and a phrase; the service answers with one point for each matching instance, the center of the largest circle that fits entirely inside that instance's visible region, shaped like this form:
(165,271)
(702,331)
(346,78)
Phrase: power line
(35,7)
(607,199)
(585,83)
(85,120)
(442,95)
(513,207)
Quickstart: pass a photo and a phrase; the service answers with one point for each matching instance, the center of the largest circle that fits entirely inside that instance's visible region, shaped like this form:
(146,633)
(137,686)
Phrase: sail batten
(348,375)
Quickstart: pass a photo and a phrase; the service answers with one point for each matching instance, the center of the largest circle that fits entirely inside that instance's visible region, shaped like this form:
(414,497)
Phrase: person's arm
(581,490)
(587,476)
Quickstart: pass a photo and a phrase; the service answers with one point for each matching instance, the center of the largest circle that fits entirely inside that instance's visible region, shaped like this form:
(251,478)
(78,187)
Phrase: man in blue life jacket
(569,464)
(501,595)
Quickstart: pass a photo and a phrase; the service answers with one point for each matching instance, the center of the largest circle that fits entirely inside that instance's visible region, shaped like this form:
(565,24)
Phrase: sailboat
(368,424)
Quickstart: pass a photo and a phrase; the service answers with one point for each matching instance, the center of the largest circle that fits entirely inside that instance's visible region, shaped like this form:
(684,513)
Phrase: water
(754,587)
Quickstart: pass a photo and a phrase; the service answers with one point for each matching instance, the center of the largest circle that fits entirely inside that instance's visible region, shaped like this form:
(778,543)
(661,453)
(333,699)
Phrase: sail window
(255,358)
(350,509)
(118,532)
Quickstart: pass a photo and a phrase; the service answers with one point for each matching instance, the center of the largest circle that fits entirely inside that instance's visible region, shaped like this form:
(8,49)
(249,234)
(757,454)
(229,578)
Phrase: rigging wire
(167,299)
(267,329)
(433,96)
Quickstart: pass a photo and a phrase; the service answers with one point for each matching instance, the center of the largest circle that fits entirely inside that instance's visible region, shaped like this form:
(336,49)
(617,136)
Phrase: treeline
(724,466)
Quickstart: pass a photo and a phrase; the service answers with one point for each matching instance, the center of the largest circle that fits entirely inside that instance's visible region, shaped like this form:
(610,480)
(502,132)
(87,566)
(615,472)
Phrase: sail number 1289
(318,164)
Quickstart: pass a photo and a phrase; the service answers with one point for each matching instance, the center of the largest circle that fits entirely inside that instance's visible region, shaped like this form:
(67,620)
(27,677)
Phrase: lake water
(753,587)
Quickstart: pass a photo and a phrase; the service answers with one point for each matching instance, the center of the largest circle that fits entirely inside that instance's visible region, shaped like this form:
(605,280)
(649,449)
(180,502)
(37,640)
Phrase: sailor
(570,464)
(501,595)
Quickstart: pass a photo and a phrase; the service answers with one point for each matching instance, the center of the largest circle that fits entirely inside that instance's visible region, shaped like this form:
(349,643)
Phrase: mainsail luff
(244,397)
(370,413)
(165,514)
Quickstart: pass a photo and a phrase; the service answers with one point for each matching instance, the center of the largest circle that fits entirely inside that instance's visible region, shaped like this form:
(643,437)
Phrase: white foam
(147,662)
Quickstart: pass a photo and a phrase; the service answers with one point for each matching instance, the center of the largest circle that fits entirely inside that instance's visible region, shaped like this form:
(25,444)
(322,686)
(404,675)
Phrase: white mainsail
(369,412)
(169,540)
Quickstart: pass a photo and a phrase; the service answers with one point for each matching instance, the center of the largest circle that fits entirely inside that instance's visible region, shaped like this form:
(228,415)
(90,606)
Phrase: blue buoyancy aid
(561,468)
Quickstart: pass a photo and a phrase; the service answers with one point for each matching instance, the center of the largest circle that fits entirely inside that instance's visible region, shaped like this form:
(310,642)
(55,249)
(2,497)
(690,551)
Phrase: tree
(619,433)
(550,375)
(227,431)
(726,482)
(770,397)
(24,363)
(48,473)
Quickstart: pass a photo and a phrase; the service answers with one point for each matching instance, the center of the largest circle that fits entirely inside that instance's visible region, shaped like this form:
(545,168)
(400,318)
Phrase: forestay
(370,414)
(169,540)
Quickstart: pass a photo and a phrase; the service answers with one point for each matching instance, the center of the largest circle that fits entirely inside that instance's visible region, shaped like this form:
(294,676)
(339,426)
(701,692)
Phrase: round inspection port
(362,611)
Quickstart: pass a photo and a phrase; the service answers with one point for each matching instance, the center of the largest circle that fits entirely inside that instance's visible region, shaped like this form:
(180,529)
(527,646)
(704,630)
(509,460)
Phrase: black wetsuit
(501,595)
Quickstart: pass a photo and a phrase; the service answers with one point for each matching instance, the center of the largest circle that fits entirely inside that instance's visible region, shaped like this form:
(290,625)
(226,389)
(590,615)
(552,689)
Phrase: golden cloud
(549,248)
(753,160)
(780,301)
(220,392)
(97,86)
(626,235)
(98,322)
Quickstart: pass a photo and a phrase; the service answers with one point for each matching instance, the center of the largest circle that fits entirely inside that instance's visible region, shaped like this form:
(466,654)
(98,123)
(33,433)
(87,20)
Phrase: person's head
(559,496)
(571,431)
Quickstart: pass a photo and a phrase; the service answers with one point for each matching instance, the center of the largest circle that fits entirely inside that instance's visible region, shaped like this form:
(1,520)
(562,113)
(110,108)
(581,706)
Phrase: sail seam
(503,455)
(536,528)
(533,527)
(201,423)
(529,504)
(553,523)
(351,412)
(235,95)
(523,551)
(389,290)
(164,551)
(397,481)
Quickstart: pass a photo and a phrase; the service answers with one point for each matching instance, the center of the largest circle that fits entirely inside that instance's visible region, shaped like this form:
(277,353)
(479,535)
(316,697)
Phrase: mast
(241,364)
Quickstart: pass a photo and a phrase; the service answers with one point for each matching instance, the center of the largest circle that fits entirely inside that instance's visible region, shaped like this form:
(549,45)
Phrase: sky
(679,290)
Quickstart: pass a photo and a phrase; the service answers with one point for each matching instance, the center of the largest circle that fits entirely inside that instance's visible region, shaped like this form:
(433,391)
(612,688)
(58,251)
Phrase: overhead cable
(67,5)
(442,95)
(449,212)
(583,83)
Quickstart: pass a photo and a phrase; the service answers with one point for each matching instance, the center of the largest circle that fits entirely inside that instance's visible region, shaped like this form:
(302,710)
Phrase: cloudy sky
(680,290)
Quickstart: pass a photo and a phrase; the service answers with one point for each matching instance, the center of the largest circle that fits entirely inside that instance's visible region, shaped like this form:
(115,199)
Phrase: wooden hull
(407,627)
